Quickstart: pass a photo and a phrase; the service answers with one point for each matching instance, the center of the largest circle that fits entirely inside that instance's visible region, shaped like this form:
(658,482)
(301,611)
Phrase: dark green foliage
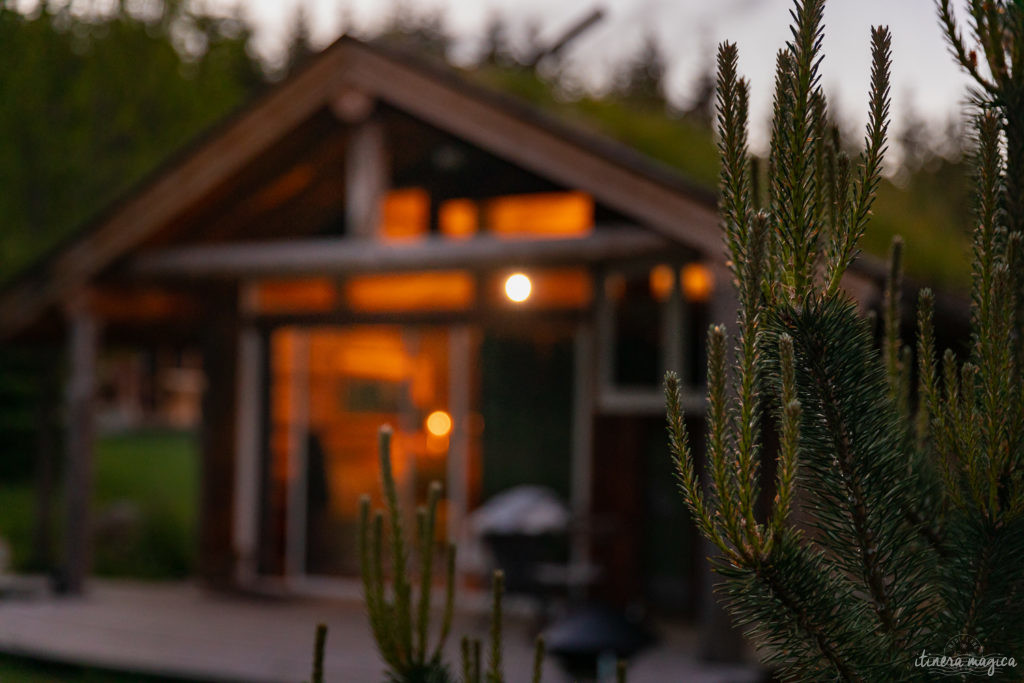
(641,80)
(401,633)
(91,103)
(911,522)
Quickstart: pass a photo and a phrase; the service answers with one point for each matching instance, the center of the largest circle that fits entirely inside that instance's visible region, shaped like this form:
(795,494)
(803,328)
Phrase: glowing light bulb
(439,423)
(697,281)
(518,287)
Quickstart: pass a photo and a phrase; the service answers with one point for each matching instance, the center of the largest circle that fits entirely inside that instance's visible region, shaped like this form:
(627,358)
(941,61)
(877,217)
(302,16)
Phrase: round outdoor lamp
(518,287)
(439,423)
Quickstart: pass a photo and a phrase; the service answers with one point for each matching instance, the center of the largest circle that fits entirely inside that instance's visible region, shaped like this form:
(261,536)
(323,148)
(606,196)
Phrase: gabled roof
(618,177)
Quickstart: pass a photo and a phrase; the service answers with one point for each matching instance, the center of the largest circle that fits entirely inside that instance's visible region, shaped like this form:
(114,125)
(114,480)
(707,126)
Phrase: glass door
(330,390)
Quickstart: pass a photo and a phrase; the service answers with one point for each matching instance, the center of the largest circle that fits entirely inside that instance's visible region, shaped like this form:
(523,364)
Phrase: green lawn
(145,506)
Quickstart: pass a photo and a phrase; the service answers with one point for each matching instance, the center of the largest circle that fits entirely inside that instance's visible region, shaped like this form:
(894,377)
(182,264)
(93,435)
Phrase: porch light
(439,423)
(697,282)
(661,282)
(518,287)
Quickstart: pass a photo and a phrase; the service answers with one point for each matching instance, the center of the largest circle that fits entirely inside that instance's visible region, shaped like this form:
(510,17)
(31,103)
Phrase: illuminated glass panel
(459,218)
(557,288)
(405,214)
(407,292)
(550,214)
(310,295)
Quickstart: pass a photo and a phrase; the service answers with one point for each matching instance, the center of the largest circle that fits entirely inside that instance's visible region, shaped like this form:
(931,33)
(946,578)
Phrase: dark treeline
(89,104)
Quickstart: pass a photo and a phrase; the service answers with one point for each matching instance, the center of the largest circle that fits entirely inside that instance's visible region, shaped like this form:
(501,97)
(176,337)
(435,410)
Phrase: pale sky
(924,76)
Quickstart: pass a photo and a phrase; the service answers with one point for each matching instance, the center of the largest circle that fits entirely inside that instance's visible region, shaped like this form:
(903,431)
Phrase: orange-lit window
(458,218)
(552,214)
(295,296)
(551,288)
(441,291)
(405,214)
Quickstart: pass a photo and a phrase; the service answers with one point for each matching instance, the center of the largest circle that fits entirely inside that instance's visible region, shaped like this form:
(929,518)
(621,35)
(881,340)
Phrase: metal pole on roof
(572,33)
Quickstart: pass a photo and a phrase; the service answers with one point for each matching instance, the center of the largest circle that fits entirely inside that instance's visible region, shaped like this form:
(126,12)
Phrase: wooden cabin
(377,240)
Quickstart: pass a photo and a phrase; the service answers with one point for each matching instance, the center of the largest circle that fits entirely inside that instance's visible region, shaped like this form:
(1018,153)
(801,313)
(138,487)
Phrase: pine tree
(914,530)
(401,625)
(642,79)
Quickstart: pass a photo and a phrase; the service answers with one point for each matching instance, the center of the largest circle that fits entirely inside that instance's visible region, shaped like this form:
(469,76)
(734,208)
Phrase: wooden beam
(83,344)
(366,178)
(334,256)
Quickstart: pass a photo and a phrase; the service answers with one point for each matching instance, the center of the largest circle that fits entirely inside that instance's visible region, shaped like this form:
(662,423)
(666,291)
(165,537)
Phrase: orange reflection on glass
(441,291)
(697,282)
(458,218)
(405,214)
(310,295)
(548,214)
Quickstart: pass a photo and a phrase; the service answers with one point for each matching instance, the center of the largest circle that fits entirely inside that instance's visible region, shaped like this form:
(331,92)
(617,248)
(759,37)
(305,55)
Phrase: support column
(83,345)
(247,467)
(216,562)
(47,457)
(582,471)
(366,178)
(460,359)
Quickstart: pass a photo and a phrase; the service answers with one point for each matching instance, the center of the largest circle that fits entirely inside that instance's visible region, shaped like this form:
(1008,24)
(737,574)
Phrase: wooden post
(297,511)
(366,178)
(46,456)
(247,467)
(83,344)
(217,438)
(460,363)
(582,470)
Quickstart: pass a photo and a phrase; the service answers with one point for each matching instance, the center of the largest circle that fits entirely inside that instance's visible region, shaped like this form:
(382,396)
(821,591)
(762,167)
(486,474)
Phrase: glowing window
(551,214)
(405,214)
(441,291)
(311,295)
(458,218)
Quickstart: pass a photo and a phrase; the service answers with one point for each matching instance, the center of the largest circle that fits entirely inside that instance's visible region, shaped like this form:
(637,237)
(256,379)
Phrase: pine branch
(789,430)
(967,59)
(852,225)
(494,671)
(402,623)
(318,654)
(891,338)
(538,660)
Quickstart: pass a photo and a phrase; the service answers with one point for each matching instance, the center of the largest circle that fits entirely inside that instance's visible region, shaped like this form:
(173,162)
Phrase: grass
(145,506)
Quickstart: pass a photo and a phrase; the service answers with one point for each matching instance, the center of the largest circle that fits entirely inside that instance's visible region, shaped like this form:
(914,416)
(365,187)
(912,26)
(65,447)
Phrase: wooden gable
(283,160)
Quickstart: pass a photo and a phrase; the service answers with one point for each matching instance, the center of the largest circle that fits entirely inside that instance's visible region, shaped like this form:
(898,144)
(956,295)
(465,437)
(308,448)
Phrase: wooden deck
(180,630)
